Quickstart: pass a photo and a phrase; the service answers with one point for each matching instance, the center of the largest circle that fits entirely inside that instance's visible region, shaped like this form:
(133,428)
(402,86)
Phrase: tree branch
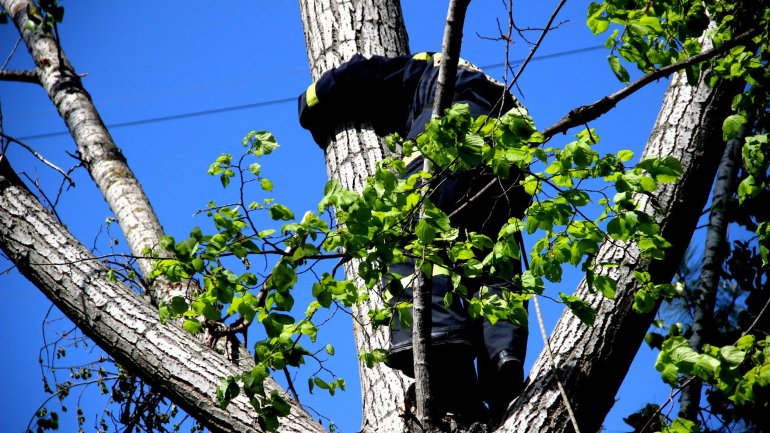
(587,113)
(422,289)
(40,157)
(99,153)
(126,327)
(28,76)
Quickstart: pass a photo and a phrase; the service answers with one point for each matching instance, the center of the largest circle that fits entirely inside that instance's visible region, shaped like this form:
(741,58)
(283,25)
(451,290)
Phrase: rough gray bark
(713,257)
(593,361)
(335,30)
(99,153)
(167,357)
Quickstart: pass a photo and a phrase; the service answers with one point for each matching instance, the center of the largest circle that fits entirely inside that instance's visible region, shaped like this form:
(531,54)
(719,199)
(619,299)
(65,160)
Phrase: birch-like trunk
(335,30)
(100,155)
(170,359)
(593,361)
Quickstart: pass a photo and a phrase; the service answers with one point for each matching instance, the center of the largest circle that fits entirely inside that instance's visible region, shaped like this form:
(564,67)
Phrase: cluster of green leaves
(741,371)
(574,238)
(378,227)
(756,162)
(224,293)
(650,34)
(130,400)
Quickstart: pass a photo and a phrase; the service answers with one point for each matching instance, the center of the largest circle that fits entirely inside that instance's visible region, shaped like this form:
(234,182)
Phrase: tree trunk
(165,356)
(334,32)
(713,257)
(593,361)
(96,149)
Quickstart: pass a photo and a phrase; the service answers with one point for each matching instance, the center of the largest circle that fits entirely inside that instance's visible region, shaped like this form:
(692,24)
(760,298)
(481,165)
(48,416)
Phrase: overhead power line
(170,117)
(274,101)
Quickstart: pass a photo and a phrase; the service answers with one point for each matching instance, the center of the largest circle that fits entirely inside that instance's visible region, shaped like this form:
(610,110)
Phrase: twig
(38,156)
(290,384)
(756,319)
(537,44)
(586,113)
(421,294)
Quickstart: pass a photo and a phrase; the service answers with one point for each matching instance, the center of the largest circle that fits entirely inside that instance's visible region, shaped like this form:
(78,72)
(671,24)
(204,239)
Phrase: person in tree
(395,95)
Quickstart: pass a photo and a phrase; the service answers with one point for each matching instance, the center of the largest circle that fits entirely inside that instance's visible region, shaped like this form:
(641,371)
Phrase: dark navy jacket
(395,94)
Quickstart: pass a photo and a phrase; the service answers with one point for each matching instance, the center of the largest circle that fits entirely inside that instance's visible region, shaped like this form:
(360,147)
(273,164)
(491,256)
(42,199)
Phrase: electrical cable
(271,102)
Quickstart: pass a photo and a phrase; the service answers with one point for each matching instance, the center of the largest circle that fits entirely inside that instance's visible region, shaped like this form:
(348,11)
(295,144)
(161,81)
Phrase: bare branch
(587,113)
(22,76)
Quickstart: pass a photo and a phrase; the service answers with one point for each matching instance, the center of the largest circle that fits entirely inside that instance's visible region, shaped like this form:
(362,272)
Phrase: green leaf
(625,155)
(705,367)
(596,21)
(425,232)
(266,184)
(664,170)
(576,197)
(644,301)
(580,308)
(227,391)
(281,212)
(178,305)
(192,326)
(620,72)
(606,286)
(309,329)
(670,374)
(111,277)
(283,277)
(275,322)
(732,356)
(681,425)
(754,153)
(731,127)
(748,187)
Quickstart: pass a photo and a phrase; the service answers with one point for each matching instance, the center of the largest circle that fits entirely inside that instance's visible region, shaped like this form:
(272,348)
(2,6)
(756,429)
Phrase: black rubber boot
(501,380)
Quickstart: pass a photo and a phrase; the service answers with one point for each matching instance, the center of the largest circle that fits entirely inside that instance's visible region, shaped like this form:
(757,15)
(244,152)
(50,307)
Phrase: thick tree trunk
(593,361)
(335,30)
(99,153)
(168,358)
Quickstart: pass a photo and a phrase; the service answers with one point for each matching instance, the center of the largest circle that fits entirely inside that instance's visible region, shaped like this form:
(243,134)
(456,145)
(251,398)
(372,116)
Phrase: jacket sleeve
(374,89)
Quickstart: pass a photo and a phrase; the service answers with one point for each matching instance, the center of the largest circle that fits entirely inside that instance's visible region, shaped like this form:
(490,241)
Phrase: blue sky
(144,63)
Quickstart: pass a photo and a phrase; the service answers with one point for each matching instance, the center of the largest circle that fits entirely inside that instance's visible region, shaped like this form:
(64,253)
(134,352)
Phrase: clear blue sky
(160,59)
